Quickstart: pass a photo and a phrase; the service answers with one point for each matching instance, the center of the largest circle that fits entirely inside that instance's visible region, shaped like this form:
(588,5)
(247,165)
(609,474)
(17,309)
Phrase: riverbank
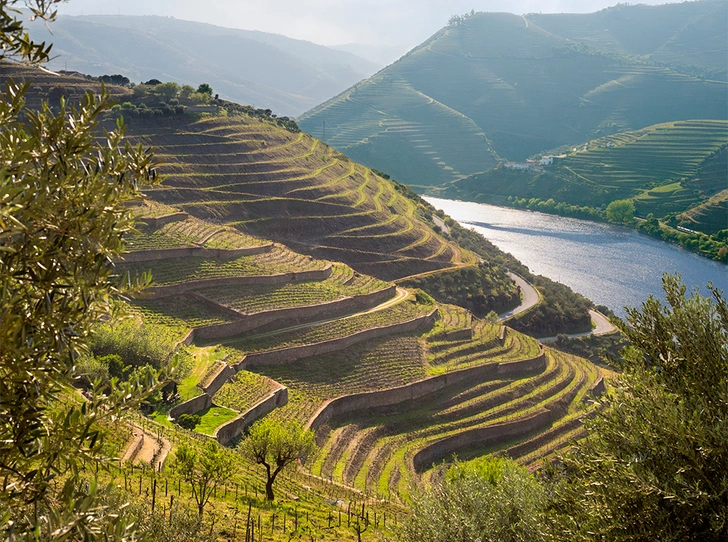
(712,247)
(611,265)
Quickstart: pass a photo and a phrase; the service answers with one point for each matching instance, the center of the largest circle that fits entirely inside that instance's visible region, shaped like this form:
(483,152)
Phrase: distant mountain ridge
(268,70)
(498,86)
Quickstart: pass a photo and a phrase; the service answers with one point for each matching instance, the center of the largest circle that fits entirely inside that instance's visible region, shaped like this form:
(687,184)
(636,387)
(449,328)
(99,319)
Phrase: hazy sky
(331,22)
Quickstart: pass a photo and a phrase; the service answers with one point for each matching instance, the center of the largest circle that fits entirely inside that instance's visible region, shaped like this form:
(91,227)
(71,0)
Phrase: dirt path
(530,297)
(145,447)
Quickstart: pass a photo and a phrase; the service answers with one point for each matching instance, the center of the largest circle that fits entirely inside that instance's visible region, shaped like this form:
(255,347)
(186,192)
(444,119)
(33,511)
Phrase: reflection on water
(611,265)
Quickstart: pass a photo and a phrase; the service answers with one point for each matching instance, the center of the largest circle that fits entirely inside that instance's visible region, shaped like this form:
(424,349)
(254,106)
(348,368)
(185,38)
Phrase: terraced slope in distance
(521,89)
(666,168)
(694,35)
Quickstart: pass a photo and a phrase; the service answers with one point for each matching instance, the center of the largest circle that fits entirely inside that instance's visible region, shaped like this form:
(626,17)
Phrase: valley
(394,317)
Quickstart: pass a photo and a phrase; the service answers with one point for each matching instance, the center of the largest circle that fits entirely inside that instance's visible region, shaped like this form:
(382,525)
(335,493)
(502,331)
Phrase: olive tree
(203,470)
(277,445)
(655,463)
(62,222)
(486,500)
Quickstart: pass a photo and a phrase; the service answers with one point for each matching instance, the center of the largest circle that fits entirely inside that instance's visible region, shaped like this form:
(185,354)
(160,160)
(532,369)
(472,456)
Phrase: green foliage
(277,445)
(488,500)
(189,421)
(204,470)
(204,88)
(14,40)
(480,289)
(186,92)
(621,211)
(62,219)
(654,464)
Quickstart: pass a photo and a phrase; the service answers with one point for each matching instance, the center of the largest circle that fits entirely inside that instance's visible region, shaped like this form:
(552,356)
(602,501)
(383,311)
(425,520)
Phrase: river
(611,265)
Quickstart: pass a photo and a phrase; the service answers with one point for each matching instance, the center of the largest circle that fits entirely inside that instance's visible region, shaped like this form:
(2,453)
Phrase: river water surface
(611,265)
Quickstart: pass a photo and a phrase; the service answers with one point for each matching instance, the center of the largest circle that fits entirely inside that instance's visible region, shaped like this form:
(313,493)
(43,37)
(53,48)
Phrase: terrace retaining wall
(246,322)
(218,381)
(465,334)
(480,436)
(251,280)
(289,355)
(192,406)
(228,431)
(347,404)
(192,252)
(159,221)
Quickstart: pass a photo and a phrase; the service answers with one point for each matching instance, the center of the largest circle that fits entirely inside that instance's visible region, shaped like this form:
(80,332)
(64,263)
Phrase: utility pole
(323,138)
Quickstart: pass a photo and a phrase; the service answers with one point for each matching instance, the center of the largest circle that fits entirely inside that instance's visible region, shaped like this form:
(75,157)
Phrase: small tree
(487,500)
(276,445)
(621,211)
(167,90)
(204,88)
(186,91)
(189,421)
(203,471)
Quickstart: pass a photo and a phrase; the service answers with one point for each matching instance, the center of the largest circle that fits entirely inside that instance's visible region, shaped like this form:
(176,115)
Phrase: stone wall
(228,431)
(289,355)
(192,406)
(159,221)
(597,388)
(192,252)
(218,380)
(293,315)
(347,404)
(251,280)
(478,437)
(465,334)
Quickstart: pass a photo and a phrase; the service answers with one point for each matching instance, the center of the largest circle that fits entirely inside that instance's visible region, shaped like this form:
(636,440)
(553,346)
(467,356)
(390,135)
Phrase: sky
(404,23)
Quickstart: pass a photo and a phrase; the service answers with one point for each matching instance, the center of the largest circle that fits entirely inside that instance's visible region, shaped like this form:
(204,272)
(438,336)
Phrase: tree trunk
(269,488)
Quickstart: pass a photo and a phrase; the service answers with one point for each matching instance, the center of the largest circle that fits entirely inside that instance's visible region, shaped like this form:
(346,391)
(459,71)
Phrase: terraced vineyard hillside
(291,188)
(666,168)
(499,86)
(263,331)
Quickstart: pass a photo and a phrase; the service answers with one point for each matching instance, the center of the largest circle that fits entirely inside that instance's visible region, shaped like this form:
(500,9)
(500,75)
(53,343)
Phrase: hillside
(496,86)
(662,167)
(674,171)
(268,70)
(261,330)
(691,35)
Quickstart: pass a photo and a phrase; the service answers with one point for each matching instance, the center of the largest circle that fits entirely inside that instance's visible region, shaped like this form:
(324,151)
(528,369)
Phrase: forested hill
(268,70)
(496,86)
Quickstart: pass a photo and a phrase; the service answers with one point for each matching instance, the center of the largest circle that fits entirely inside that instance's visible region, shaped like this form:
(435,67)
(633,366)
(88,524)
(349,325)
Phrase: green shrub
(189,421)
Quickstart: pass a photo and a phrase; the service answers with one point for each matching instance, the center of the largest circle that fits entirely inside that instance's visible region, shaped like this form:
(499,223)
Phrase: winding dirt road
(602,326)
(530,297)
